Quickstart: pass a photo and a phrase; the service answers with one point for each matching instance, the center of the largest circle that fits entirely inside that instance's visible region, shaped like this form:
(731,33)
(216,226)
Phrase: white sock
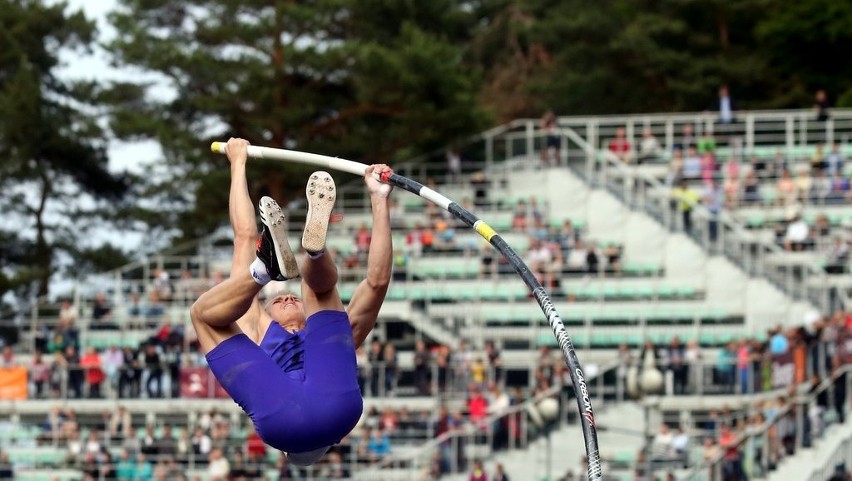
(316,255)
(258,272)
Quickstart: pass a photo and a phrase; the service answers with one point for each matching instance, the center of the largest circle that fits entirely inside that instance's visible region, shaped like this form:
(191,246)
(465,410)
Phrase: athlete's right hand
(237,150)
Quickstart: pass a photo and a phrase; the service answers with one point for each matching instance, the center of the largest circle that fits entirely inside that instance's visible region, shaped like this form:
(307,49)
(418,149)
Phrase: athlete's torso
(286,348)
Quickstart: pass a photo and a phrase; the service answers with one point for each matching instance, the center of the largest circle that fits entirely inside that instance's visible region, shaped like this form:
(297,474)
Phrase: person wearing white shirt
(662,443)
(680,442)
(649,148)
(219,467)
(796,235)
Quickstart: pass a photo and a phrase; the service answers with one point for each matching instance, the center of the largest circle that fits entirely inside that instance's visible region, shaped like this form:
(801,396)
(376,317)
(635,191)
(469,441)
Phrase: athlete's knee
(196,314)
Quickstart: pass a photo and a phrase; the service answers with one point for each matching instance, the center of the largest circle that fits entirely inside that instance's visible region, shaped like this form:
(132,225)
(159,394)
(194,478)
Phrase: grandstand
(743,321)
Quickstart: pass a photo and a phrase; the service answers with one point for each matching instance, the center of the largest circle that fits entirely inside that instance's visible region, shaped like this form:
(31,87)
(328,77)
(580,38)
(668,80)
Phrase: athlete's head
(287,310)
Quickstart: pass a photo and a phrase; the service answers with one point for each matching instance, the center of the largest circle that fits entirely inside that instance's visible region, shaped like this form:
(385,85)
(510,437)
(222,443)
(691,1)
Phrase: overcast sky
(123,156)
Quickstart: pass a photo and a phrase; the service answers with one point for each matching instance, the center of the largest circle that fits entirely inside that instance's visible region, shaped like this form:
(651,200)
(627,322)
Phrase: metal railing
(513,428)
(758,450)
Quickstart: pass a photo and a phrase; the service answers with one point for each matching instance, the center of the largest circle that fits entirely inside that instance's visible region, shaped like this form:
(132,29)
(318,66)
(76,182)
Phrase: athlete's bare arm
(241,212)
(231,307)
(368,297)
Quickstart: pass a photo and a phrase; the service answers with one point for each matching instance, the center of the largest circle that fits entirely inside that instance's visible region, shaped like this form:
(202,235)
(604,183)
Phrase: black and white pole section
(584,404)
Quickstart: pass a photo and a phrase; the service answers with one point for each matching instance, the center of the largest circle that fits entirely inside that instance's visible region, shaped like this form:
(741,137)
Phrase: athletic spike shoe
(321,193)
(273,248)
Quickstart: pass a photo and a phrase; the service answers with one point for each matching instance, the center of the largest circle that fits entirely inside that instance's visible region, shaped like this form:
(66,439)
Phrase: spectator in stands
(442,364)
(478,473)
(495,363)
(498,402)
(391,368)
(731,183)
(837,257)
(687,138)
(822,108)
(219,467)
(732,467)
(480,189)
(201,443)
(172,361)
(751,188)
(499,473)
(725,362)
(676,360)
(692,167)
(706,145)
(155,310)
(552,139)
(787,189)
(797,235)
(120,424)
(39,374)
(693,358)
(255,447)
(454,164)
(379,446)
(621,147)
(820,188)
(725,106)
(477,405)
(75,372)
(592,259)
(488,266)
(674,174)
(130,377)
(166,443)
(91,362)
(362,238)
(461,361)
(760,167)
(363,364)
(375,358)
(112,360)
(101,313)
(422,368)
(520,221)
(540,259)
(834,161)
(7,470)
(661,445)
(686,199)
(7,357)
(154,371)
(162,284)
(649,148)
(126,468)
(744,354)
(68,314)
(65,333)
(680,443)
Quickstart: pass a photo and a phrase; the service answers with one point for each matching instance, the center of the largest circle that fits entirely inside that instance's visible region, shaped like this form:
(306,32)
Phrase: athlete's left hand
(376,187)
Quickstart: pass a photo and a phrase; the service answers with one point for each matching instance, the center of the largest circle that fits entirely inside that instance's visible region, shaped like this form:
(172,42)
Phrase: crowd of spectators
(697,175)
(749,365)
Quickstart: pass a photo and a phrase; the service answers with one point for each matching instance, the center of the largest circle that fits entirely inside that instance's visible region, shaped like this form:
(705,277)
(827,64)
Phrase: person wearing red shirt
(477,406)
(620,146)
(255,447)
(91,363)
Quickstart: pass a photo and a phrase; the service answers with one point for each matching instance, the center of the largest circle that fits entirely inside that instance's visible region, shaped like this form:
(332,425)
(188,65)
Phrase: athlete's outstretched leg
(319,273)
(216,311)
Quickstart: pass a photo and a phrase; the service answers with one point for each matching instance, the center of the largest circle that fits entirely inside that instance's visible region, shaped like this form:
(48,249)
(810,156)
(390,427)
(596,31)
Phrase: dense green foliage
(54,179)
(369,80)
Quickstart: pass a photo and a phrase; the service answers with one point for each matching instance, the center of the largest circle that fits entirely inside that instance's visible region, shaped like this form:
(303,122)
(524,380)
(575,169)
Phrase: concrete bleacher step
(568,447)
(802,464)
(48,475)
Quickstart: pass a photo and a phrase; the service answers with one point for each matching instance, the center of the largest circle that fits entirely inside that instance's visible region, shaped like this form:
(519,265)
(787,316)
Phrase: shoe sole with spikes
(321,193)
(274,219)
